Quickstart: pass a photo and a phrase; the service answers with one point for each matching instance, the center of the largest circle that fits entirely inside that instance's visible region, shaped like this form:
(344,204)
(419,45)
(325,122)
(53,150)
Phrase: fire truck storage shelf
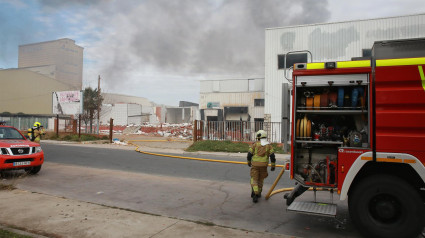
(331,113)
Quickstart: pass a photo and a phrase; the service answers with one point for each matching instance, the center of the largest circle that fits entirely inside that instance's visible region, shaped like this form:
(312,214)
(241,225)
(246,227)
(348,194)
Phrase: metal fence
(65,124)
(24,122)
(236,130)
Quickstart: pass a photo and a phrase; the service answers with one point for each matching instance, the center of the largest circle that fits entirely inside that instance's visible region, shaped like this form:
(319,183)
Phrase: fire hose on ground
(269,193)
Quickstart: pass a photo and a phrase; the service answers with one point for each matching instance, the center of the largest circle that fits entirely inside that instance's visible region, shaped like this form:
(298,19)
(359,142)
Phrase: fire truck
(358,129)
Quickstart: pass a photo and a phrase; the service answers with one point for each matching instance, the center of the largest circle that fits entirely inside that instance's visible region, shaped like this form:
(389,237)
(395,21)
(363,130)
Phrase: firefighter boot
(252,193)
(255,198)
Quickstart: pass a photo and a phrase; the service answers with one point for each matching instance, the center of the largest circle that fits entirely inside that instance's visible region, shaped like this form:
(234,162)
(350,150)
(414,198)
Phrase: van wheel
(33,170)
(386,206)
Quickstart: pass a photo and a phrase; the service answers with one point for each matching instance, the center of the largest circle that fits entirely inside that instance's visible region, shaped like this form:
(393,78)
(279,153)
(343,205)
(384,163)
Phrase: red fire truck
(358,128)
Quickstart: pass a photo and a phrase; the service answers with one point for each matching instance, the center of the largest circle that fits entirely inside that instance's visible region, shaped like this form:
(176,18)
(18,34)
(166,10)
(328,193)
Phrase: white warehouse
(339,41)
(232,100)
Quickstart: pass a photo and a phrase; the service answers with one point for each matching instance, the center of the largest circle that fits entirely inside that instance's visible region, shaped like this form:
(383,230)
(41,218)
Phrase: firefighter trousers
(258,174)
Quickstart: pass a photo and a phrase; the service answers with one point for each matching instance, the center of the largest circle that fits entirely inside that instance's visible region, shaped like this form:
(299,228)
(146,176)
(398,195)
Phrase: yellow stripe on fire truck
(400,62)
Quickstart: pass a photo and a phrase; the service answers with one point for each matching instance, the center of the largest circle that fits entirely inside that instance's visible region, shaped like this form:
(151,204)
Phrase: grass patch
(9,234)
(226,146)
(7,187)
(74,137)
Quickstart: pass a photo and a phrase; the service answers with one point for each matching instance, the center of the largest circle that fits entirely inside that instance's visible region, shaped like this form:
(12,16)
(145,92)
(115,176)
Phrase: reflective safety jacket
(259,154)
(35,134)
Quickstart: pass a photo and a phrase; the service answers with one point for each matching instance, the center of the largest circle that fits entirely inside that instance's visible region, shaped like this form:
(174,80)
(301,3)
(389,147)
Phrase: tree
(92,101)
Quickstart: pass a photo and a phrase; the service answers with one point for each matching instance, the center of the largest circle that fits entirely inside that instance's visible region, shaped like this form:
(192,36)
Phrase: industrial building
(25,91)
(43,68)
(62,59)
(339,41)
(232,100)
(127,110)
(187,112)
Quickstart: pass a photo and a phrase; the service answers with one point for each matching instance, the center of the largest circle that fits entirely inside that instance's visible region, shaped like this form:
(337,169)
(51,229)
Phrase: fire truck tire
(33,170)
(386,206)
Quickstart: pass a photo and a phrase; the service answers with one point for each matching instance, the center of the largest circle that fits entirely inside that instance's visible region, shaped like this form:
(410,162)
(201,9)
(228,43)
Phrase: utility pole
(98,105)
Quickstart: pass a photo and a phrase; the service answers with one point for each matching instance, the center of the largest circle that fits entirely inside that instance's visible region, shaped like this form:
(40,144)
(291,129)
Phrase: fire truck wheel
(386,206)
(33,170)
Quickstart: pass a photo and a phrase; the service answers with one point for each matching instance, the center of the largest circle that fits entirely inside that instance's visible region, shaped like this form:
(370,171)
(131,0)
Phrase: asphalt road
(131,161)
(198,191)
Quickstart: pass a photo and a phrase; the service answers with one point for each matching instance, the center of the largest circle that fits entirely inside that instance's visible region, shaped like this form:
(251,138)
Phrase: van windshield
(7,133)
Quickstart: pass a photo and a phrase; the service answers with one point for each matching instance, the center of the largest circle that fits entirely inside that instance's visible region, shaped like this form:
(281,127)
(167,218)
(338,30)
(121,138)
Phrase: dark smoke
(190,37)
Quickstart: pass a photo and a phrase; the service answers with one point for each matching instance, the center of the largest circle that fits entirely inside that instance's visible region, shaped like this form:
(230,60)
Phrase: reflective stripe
(316,66)
(395,160)
(409,161)
(389,160)
(400,62)
(353,64)
(421,73)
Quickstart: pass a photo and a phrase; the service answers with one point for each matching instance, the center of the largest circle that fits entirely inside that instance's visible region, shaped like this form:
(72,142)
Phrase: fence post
(57,125)
(202,130)
(79,126)
(195,130)
(74,126)
(111,127)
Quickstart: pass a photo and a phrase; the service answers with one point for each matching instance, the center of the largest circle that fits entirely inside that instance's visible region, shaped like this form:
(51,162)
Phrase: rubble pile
(182,131)
(132,129)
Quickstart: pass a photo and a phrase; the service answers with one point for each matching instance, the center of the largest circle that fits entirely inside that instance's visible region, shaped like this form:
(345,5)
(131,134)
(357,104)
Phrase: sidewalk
(52,216)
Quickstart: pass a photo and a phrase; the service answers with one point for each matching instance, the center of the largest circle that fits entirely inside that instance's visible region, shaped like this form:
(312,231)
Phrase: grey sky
(160,49)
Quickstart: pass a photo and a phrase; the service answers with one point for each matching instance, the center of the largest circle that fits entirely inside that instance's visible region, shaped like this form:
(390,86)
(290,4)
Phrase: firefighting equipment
(249,163)
(340,97)
(309,103)
(37,124)
(324,100)
(303,129)
(333,99)
(355,139)
(316,102)
(30,133)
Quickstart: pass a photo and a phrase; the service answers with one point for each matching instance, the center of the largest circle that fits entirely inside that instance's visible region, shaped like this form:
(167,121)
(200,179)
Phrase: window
(259,123)
(291,59)
(280,61)
(259,102)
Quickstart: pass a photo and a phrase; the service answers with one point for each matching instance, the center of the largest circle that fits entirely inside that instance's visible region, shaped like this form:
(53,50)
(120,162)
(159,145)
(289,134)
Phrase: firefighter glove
(249,163)
(273,166)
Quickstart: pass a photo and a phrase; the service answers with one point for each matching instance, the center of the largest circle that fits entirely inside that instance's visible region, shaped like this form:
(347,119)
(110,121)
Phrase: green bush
(73,137)
(226,146)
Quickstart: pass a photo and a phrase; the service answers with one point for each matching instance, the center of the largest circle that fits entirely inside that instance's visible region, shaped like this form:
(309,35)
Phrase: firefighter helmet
(37,124)
(261,134)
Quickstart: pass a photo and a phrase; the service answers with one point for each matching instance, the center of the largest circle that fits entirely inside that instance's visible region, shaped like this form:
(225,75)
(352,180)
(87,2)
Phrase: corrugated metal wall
(119,114)
(329,42)
(232,85)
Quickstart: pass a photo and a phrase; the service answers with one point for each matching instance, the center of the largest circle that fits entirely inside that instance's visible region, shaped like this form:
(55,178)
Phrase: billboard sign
(68,102)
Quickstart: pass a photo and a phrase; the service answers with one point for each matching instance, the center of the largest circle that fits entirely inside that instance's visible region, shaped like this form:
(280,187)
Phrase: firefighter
(36,132)
(258,159)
